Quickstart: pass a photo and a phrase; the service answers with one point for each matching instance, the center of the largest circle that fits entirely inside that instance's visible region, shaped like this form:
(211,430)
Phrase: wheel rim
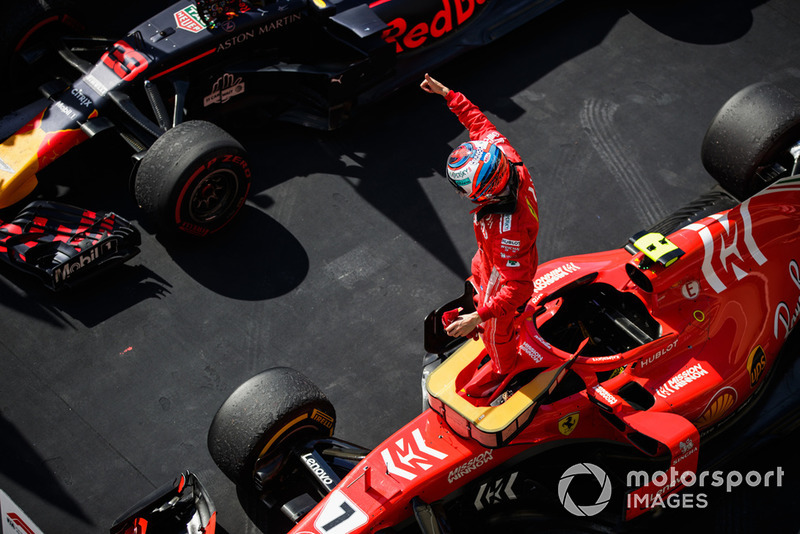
(213,195)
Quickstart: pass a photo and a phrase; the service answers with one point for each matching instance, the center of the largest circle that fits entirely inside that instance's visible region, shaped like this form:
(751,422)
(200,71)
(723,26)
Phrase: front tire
(753,129)
(193,180)
(265,417)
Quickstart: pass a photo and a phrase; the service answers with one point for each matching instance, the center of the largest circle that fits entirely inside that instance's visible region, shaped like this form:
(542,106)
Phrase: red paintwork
(736,288)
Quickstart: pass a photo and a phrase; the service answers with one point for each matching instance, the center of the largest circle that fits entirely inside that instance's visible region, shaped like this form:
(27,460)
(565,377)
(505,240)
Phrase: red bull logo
(417,25)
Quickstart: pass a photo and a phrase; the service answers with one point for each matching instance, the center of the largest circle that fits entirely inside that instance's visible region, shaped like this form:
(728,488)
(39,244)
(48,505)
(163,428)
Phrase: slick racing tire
(257,425)
(193,180)
(752,131)
(26,28)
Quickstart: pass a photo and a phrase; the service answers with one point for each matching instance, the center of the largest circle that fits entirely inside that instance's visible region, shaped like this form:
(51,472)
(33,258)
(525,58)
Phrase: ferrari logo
(568,423)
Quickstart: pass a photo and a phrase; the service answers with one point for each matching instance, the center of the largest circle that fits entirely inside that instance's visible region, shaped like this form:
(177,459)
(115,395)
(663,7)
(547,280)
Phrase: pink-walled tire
(193,180)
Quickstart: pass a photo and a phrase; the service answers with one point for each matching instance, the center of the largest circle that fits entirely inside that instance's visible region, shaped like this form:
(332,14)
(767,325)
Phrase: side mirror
(436,339)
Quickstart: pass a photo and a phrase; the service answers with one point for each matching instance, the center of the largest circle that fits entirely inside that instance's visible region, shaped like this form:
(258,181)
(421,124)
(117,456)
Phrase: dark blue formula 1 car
(163,85)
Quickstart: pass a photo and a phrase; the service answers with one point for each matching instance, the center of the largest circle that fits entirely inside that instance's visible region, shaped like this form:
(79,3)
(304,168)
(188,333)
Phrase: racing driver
(489,172)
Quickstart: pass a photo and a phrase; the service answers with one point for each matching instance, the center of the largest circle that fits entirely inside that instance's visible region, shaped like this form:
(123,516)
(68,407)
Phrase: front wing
(63,245)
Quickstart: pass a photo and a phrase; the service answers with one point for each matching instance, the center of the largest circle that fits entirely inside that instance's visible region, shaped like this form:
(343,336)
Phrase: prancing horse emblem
(568,423)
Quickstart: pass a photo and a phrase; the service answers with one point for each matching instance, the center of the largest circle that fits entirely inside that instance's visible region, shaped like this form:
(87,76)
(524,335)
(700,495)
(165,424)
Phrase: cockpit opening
(614,321)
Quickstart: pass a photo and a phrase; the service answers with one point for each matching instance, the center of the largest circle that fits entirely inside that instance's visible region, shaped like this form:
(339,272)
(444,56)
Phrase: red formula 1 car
(637,368)
(634,365)
(164,84)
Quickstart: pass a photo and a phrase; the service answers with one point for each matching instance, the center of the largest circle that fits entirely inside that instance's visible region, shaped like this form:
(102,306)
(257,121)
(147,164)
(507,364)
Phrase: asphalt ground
(350,238)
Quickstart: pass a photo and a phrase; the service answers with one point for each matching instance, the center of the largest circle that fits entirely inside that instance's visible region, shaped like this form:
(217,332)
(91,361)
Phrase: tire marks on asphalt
(558,188)
(597,120)
(354,266)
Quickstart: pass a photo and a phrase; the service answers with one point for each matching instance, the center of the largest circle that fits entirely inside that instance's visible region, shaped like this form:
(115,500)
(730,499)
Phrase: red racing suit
(505,263)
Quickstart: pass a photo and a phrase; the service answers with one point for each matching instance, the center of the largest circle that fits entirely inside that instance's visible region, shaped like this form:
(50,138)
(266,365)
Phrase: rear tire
(263,419)
(750,132)
(193,180)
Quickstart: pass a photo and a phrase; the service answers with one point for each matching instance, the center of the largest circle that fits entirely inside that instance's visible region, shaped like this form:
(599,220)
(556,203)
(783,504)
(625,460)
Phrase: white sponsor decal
(225,88)
(66,110)
(657,355)
(95,84)
(784,317)
(530,351)
(556,274)
(680,380)
(731,253)
(505,225)
(603,392)
(407,456)
(470,466)
(541,340)
(83,259)
(687,449)
(84,100)
(318,470)
(494,137)
(612,358)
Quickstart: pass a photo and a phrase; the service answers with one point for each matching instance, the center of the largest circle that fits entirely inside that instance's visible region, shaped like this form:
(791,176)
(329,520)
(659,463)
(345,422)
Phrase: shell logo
(719,405)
